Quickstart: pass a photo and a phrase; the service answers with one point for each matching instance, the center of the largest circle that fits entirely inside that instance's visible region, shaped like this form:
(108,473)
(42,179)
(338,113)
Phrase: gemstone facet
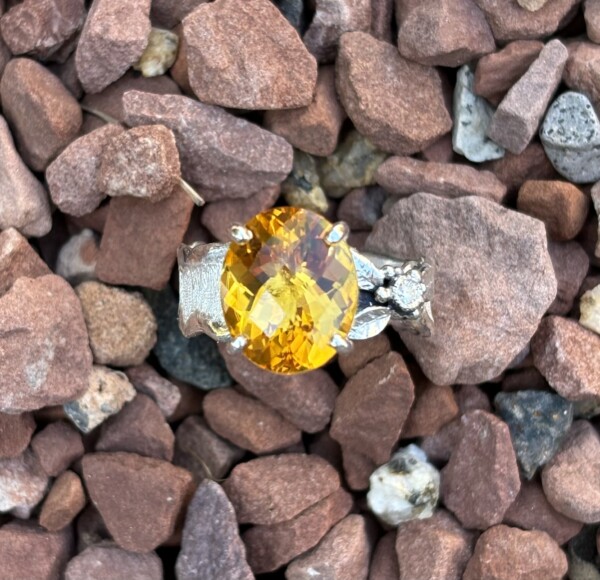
(288,290)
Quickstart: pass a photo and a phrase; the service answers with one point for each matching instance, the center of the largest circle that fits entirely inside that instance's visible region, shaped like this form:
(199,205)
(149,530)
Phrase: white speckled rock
(472,116)
(570,135)
(406,488)
(590,310)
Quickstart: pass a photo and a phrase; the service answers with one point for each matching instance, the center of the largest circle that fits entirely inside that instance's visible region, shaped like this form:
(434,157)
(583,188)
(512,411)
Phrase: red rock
(215,550)
(362,207)
(109,561)
(382,12)
(404,176)
(179,70)
(29,551)
(142,162)
(203,452)
(518,116)
(330,21)
(471,398)
(571,266)
(592,20)
(274,489)
(270,547)
(140,499)
(511,22)
(364,352)
(532,511)
(65,500)
(397,104)
(433,549)
(496,73)
(91,529)
(343,553)
(223,155)
(481,479)
(567,355)
(42,113)
(139,428)
(48,360)
(525,379)
(169,13)
(15,433)
(582,69)
(23,199)
(113,39)
(570,477)
(147,381)
(238,56)
(560,205)
(41,29)
(57,446)
(504,553)
(372,408)
(434,407)
(72,176)
(357,469)
(305,400)
(18,260)
(441,151)
(439,446)
(384,564)
(443,33)
(67,73)
(314,128)
(140,240)
(248,423)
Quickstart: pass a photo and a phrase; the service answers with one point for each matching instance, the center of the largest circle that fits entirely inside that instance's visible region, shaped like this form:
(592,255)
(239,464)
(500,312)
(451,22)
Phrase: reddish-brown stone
(384,564)
(57,446)
(357,469)
(434,407)
(571,265)
(364,352)
(592,20)
(15,433)
(64,501)
(147,381)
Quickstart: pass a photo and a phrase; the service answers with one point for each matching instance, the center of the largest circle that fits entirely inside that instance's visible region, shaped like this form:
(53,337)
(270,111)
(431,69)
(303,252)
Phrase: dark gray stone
(293,10)
(537,421)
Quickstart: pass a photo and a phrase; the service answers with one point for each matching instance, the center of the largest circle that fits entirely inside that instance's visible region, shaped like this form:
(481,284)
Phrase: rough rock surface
(23,484)
(15,433)
(571,265)
(63,503)
(57,446)
(146,380)
(485,252)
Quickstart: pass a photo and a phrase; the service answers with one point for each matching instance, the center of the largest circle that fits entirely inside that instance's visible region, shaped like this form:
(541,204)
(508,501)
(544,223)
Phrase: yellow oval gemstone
(287,291)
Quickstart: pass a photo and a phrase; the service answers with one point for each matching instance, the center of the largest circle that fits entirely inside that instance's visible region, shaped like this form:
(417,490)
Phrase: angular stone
(496,73)
(384,564)
(41,29)
(140,498)
(15,434)
(113,38)
(397,104)
(142,162)
(504,553)
(330,21)
(159,54)
(121,324)
(140,240)
(57,446)
(18,260)
(139,428)
(592,20)
(46,357)
(372,408)
(248,423)
(571,266)
(65,500)
(42,113)
(306,400)
(532,511)
(364,351)
(109,561)
(147,381)
(270,547)
(214,551)
(357,469)
(29,551)
(435,406)
(590,310)
(223,155)
(203,452)
(107,393)
(274,489)
(496,268)
(567,355)
(314,128)
(511,22)
(443,33)
(343,553)
(582,68)
(519,114)
(362,207)
(481,479)
(404,176)
(538,422)
(238,56)
(23,484)
(433,549)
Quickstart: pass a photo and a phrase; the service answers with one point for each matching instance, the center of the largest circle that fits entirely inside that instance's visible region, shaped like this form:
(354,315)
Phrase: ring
(289,292)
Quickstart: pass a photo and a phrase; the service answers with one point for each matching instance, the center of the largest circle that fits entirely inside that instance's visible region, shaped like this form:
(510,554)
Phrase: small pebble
(140,498)
(538,422)
(107,393)
(23,484)
(160,53)
(15,434)
(406,488)
(76,260)
(63,503)
(57,447)
(361,208)
(384,564)
(357,469)
(571,265)
(435,406)
(302,188)
(147,381)
(590,310)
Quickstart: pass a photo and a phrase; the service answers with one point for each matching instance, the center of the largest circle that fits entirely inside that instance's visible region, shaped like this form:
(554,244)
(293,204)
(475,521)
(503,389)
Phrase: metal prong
(236,345)
(240,234)
(340,343)
(191,192)
(339,231)
(383,294)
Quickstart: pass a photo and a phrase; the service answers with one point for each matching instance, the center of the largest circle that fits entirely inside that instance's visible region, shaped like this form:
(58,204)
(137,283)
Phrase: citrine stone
(287,291)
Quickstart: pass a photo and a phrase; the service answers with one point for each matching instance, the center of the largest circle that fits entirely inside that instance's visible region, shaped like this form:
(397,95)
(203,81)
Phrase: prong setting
(240,234)
(237,345)
(340,343)
(338,233)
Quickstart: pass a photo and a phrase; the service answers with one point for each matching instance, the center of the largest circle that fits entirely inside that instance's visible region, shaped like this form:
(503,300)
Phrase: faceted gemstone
(287,291)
